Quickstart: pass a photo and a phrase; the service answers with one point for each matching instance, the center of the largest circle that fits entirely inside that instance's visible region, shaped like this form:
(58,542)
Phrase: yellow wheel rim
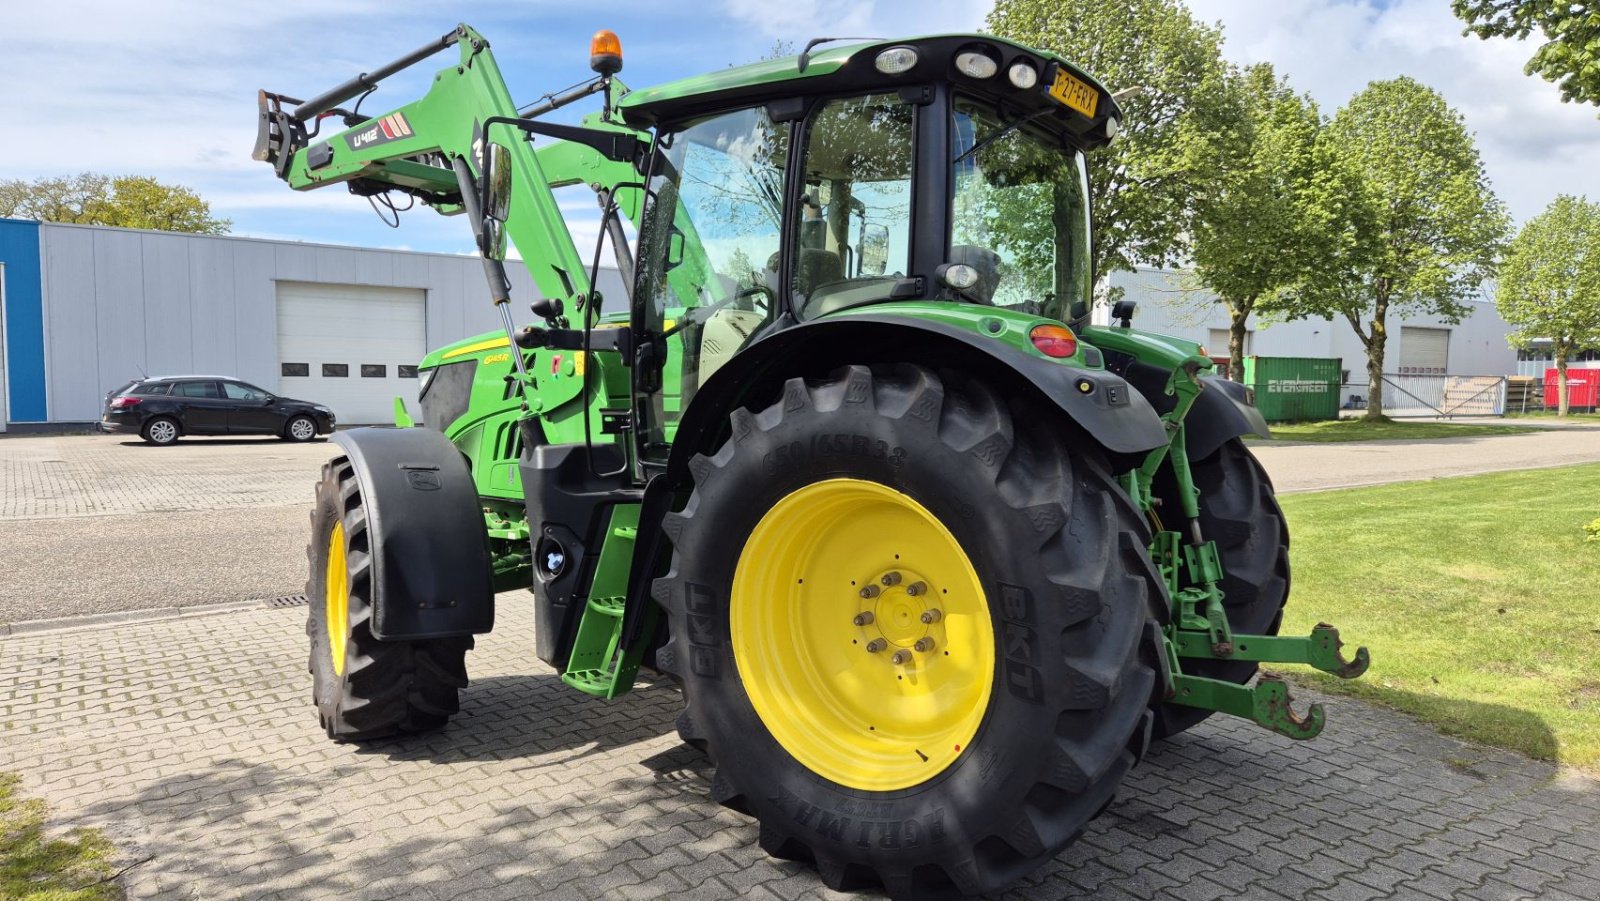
(337,597)
(862,635)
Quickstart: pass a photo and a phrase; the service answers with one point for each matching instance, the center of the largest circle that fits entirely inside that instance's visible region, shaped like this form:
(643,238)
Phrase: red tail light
(1054,340)
(122,403)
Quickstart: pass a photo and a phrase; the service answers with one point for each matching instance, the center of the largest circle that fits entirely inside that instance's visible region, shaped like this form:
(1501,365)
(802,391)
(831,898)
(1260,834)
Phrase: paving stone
(213,766)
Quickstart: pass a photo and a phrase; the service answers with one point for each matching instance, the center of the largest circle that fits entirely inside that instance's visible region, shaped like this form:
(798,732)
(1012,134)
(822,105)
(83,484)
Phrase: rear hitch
(1267,703)
(1322,650)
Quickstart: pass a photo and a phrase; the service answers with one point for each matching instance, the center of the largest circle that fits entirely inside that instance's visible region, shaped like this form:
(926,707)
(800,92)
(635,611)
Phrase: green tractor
(932,558)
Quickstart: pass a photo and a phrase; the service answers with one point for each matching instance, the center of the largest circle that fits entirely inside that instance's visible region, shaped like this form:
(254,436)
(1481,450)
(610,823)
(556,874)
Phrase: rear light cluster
(123,403)
(1054,340)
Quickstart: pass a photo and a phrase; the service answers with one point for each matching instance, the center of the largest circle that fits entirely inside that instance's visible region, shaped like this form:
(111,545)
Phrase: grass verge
(34,867)
(1476,597)
(1550,415)
(1392,429)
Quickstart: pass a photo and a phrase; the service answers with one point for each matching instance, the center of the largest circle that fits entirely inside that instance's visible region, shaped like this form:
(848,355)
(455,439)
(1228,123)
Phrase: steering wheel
(699,315)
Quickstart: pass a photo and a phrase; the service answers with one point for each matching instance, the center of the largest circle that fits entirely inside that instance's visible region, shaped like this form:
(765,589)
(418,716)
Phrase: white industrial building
(84,309)
(1169,304)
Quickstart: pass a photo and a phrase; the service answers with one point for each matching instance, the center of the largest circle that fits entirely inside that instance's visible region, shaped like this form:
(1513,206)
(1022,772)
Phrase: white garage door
(1424,351)
(351,347)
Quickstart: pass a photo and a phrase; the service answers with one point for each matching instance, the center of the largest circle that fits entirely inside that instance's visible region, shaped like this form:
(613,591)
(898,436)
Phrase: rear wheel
(911,623)
(160,430)
(363,687)
(1240,512)
(300,428)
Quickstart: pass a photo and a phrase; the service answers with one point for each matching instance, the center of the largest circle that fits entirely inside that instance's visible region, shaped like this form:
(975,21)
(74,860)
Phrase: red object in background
(1583,389)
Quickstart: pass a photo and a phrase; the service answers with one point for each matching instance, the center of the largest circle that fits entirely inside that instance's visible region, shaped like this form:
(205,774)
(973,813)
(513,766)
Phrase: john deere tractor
(932,557)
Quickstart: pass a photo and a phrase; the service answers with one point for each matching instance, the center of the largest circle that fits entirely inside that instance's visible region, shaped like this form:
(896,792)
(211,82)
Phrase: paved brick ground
(193,743)
(99,475)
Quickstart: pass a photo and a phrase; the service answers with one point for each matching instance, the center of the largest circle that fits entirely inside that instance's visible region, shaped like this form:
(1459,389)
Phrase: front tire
(300,428)
(365,688)
(976,757)
(1239,511)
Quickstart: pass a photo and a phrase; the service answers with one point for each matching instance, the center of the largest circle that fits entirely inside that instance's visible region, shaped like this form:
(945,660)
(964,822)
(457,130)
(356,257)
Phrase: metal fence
(1433,395)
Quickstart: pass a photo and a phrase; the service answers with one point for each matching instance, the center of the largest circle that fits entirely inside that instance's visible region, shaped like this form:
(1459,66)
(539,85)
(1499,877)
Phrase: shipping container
(1295,389)
(1583,389)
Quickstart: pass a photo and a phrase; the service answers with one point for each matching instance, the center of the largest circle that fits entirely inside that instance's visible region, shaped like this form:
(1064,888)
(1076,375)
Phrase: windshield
(1019,214)
(708,249)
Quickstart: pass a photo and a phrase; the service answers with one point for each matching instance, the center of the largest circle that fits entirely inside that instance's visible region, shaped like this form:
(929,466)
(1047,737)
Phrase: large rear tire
(365,688)
(970,758)
(1240,512)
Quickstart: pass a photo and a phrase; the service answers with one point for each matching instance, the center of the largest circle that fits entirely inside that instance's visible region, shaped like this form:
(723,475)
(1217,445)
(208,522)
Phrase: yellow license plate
(1075,94)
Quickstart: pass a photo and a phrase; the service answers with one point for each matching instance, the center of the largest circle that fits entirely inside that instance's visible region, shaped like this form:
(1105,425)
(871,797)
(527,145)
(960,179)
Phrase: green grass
(35,867)
(1477,597)
(1361,430)
(1551,415)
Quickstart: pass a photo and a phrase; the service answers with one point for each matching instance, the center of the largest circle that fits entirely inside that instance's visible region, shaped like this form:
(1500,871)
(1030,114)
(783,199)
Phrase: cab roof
(842,68)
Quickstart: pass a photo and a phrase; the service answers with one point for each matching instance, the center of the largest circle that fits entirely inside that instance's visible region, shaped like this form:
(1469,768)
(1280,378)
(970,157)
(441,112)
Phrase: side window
(157,389)
(197,389)
(854,235)
(236,391)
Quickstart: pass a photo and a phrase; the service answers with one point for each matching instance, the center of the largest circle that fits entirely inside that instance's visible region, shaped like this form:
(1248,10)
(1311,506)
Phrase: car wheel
(300,428)
(160,430)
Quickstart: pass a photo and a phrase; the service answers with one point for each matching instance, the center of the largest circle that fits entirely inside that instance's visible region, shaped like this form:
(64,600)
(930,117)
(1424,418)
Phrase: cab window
(854,220)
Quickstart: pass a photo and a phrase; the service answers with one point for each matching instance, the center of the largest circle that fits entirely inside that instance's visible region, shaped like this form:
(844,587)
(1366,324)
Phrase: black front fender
(431,573)
(1111,413)
(1222,411)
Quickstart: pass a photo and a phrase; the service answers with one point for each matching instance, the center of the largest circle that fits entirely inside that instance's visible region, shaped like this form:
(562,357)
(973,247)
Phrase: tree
(1259,226)
(1570,55)
(126,201)
(1550,282)
(1140,190)
(1418,233)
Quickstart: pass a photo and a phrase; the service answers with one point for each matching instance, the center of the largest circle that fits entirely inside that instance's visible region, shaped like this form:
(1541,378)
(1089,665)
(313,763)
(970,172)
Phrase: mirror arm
(493,269)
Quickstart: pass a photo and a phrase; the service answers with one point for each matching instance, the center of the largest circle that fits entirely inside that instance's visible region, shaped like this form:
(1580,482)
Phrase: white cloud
(1533,145)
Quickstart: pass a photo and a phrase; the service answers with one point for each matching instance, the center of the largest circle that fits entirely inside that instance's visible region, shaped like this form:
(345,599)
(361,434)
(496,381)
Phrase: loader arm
(413,148)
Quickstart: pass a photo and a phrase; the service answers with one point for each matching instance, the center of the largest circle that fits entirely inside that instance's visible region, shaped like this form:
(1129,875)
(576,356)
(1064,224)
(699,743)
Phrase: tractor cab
(946,169)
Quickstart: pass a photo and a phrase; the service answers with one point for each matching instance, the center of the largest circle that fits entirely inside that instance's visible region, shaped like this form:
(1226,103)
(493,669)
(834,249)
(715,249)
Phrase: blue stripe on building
(24,325)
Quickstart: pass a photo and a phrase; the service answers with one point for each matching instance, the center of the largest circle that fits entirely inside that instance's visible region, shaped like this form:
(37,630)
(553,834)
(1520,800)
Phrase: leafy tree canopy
(1549,288)
(1570,55)
(126,201)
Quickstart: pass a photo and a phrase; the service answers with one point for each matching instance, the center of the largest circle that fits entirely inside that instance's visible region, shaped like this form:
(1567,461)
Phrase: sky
(167,87)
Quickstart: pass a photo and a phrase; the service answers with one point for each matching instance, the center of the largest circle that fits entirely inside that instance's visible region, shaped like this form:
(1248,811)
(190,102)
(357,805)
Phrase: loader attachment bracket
(1267,703)
(278,133)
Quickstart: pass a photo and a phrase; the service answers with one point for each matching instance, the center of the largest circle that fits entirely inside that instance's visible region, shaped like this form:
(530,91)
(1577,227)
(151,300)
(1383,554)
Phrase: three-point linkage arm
(414,148)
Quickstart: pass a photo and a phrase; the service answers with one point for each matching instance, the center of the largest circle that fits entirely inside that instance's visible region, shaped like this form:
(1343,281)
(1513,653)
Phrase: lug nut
(864,618)
(930,617)
(890,578)
(876,645)
(869,592)
(916,588)
(901,657)
(924,645)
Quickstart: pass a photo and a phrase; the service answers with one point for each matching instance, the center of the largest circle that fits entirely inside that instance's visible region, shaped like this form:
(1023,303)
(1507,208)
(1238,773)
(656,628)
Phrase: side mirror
(874,249)
(496,202)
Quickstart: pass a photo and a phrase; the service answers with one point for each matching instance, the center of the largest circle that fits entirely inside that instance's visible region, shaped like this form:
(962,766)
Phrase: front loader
(932,557)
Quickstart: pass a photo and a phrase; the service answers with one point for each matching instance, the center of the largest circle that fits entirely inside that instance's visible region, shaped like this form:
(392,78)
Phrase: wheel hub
(862,634)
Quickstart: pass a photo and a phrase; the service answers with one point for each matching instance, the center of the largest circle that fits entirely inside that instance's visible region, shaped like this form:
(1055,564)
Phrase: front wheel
(300,428)
(910,619)
(363,687)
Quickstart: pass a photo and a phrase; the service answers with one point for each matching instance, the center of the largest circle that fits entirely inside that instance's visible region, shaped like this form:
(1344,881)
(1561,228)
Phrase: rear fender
(1111,414)
(431,573)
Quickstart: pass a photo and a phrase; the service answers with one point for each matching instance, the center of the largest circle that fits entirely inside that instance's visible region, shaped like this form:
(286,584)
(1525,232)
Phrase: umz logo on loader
(392,127)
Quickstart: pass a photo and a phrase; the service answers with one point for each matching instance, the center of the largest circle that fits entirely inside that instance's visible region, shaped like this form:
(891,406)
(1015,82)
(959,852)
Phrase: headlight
(895,60)
(1023,75)
(976,64)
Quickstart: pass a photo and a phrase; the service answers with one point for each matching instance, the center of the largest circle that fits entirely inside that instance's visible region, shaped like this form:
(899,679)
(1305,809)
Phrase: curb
(68,623)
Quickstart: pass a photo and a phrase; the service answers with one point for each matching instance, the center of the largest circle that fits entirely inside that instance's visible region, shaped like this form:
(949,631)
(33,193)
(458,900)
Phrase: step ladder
(597,665)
